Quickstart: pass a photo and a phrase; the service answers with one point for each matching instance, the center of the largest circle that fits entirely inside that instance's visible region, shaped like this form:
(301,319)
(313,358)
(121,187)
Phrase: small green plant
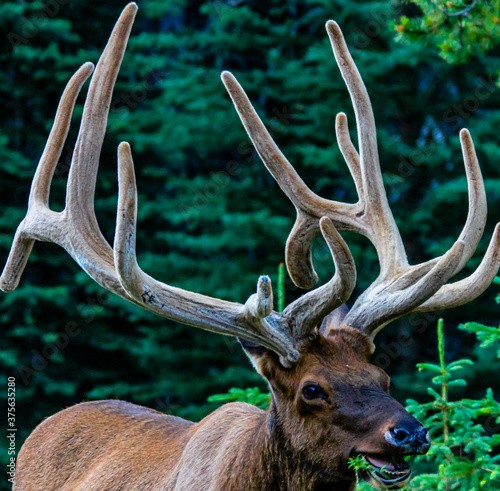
(462,456)
(489,336)
(252,396)
(358,463)
(281,287)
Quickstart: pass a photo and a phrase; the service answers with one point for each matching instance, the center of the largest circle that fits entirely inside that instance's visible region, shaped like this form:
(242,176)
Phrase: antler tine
(349,152)
(469,288)
(40,188)
(306,313)
(38,202)
(310,207)
(260,304)
(478,209)
(277,164)
(298,250)
(306,228)
(253,321)
(75,228)
(371,311)
(83,172)
(380,226)
(93,253)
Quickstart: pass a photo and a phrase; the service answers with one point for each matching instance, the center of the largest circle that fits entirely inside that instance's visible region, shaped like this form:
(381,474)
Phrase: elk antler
(77,231)
(400,288)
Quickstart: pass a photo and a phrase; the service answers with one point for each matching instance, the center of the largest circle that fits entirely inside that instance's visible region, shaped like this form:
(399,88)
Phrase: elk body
(328,402)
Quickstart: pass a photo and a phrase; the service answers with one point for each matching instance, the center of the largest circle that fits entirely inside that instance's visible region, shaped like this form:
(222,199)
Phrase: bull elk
(328,402)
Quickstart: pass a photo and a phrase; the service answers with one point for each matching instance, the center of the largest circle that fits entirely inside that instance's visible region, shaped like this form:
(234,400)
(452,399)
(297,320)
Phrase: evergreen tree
(459,29)
(211,219)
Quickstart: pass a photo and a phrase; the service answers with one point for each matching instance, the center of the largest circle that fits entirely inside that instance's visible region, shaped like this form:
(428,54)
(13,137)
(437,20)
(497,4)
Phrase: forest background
(211,219)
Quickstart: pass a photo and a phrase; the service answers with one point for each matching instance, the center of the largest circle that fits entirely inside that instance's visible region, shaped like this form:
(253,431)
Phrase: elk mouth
(385,471)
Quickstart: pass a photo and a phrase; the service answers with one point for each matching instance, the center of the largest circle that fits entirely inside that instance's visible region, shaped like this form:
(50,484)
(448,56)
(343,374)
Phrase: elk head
(328,402)
(333,404)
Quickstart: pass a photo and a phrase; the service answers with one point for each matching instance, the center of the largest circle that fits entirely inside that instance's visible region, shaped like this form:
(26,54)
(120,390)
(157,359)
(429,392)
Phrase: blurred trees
(211,217)
(459,29)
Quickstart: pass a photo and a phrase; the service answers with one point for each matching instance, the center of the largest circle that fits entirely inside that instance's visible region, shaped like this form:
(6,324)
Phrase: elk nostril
(417,440)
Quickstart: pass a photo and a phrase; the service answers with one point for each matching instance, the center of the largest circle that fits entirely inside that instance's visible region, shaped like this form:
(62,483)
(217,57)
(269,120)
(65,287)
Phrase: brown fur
(296,445)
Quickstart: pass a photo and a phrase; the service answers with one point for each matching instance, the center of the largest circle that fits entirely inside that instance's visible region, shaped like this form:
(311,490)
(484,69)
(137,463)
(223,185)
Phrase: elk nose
(414,439)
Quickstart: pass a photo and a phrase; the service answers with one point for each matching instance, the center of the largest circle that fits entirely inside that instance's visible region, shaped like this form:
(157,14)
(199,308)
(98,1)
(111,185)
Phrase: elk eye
(313,392)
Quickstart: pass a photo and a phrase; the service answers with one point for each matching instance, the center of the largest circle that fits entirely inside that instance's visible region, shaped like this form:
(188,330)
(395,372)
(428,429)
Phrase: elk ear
(333,320)
(258,355)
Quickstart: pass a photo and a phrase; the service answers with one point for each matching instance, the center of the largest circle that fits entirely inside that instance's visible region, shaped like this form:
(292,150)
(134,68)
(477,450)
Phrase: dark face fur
(333,405)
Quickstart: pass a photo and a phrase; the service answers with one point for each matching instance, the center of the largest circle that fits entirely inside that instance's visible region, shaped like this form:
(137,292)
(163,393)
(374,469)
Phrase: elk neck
(266,460)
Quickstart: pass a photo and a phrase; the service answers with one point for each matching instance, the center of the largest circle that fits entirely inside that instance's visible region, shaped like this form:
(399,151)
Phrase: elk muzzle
(388,469)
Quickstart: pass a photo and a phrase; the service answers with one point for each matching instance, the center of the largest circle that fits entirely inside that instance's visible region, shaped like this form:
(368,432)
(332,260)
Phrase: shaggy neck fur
(270,464)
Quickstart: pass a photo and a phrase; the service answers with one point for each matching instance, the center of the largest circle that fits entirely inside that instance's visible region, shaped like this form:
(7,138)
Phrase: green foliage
(464,452)
(281,287)
(487,335)
(496,281)
(359,463)
(460,29)
(251,396)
